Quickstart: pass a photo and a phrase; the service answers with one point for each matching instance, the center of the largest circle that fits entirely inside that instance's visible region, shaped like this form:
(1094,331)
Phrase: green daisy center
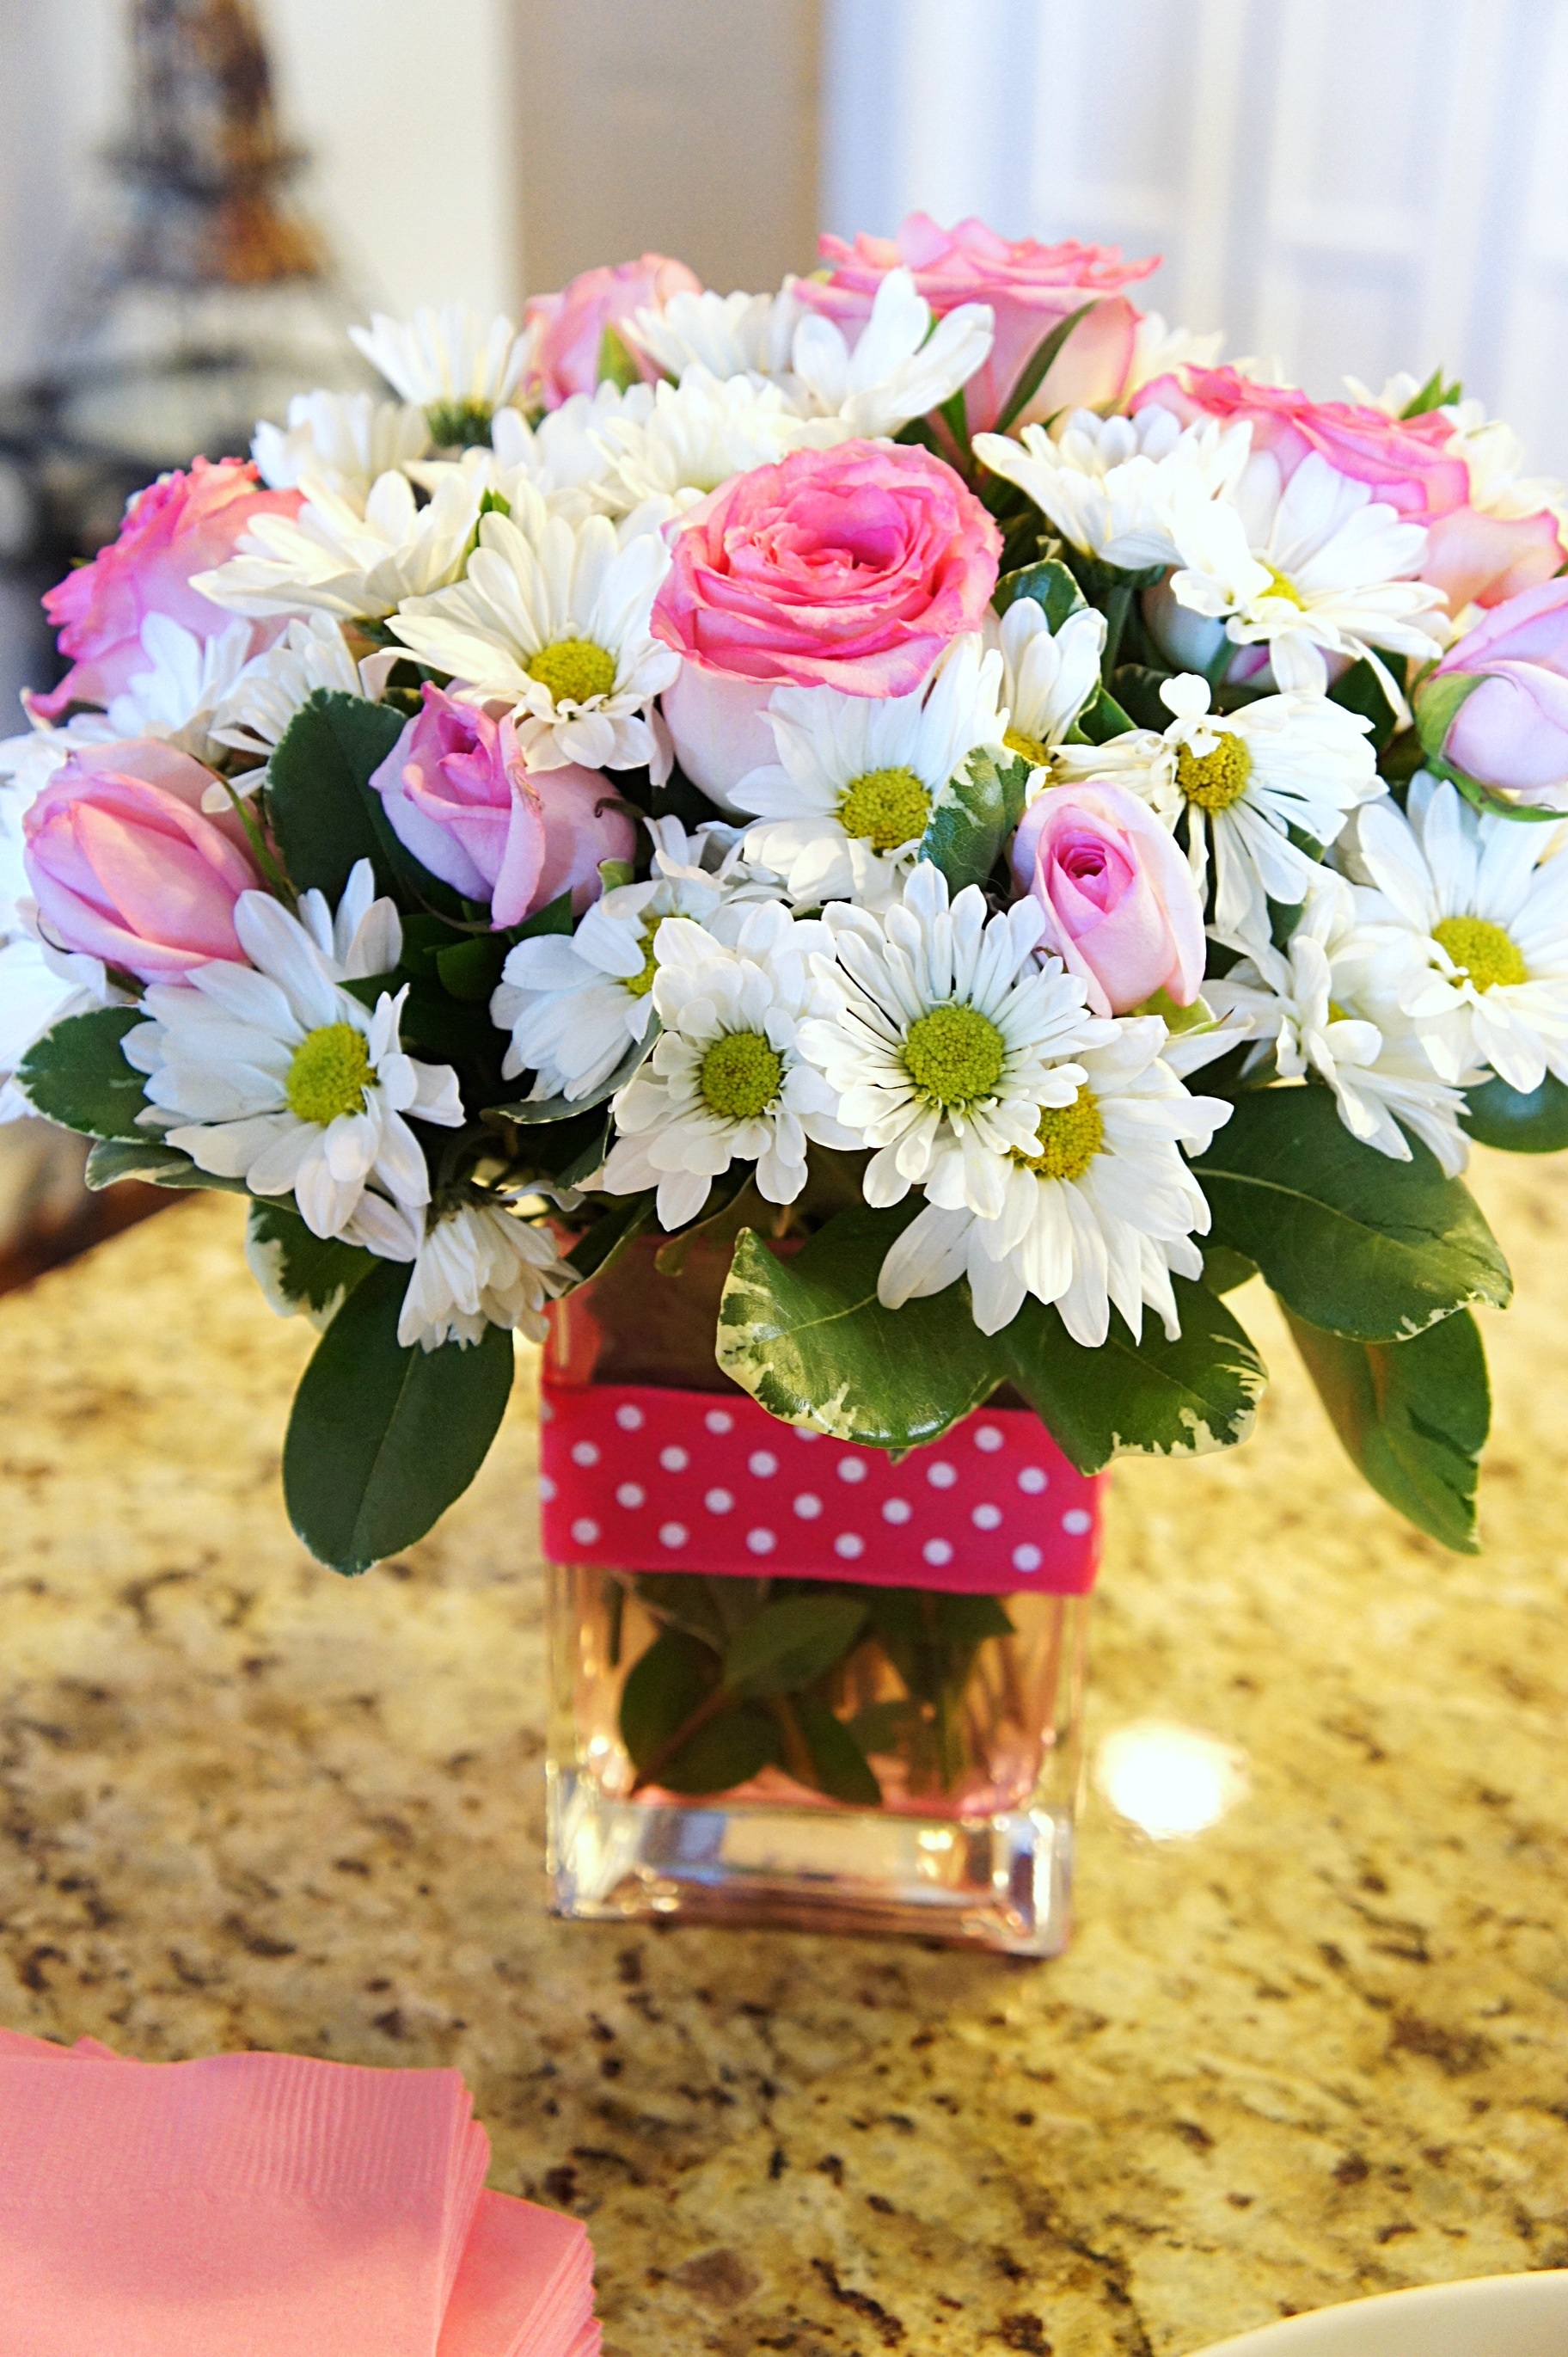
(1029,748)
(1069,1137)
(574,670)
(329,1073)
(1214,781)
(740,1075)
(954,1055)
(884,808)
(638,985)
(456,425)
(1482,951)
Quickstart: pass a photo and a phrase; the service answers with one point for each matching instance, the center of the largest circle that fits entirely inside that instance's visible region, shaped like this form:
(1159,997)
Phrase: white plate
(1491,2316)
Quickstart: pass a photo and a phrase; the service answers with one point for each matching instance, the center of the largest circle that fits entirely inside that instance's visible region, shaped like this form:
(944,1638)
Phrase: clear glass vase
(881,1754)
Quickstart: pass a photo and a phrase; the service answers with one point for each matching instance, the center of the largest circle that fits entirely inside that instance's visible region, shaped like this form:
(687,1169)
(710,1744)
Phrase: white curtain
(1344,186)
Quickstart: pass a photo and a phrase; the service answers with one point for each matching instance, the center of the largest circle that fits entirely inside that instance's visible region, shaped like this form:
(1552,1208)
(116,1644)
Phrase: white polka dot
(763,1463)
(585,1453)
(988,1437)
(1026,1558)
(986,1518)
(802,1433)
(850,1468)
(941,1475)
(629,1419)
(896,1510)
(718,1420)
(1077,1521)
(760,1542)
(546,1488)
(631,1494)
(1033,1479)
(673,1534)
(674,1461)
(718,1502)
(808,1506)
(937,1551)
(584,1531)
(848,1545)
(546,1413)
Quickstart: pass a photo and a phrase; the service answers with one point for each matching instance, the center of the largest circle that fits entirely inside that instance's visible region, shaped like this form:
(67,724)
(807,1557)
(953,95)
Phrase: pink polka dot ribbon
(636,1477)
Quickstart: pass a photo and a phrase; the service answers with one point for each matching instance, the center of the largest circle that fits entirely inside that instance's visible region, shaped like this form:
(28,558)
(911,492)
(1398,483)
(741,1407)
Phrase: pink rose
(183,523)
(568,329)
(1497,705)
(1414,465)
(1031,289)
(459,794)
(125,868)
(1121,906)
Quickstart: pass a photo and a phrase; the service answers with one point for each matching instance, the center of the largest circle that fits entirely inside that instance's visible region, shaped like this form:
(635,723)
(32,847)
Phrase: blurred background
(197,195)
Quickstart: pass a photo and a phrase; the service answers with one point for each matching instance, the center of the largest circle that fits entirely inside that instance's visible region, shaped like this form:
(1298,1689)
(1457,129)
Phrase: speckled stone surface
(1320,2050)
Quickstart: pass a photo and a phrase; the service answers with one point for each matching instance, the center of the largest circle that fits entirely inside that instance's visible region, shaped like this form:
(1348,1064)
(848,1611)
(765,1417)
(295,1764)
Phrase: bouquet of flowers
(924,785)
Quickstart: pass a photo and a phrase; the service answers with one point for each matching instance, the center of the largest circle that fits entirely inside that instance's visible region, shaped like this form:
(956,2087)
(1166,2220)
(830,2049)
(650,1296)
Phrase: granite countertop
(1319,2050)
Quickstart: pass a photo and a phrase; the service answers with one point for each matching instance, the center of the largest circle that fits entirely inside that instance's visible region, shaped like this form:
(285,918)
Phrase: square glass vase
(912,1766)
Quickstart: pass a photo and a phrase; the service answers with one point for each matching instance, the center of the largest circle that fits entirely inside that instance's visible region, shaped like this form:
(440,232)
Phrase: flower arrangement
(923,785)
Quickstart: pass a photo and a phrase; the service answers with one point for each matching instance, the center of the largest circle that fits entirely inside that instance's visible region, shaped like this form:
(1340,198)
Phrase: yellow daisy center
(638,985)
(884,808)
(574,670)
(1069,1137)
(1028,747)
(739,1076)
(1214,781)
(1482,951)
(329,1073)
(954,1055)
(1282,585)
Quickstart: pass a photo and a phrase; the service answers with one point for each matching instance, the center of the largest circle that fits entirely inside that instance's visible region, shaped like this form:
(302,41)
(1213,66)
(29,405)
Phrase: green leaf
(1151,1398)
(1350,1239)
(617,365)
(792,1642)
(298,1270)
(1224,1270)
(1037,367)
(1412,1417)
(469,970)
(381,1438)
(686,1601)
(970,1619)
(1137,688)
(978,808)
(1520,1122)
(1360,689)
(808,1339)
(663,1687)
(608,1238)
(77,1075)
(1048,583)
(843,1772)
(318,782)
(1434,394)
(113,1159)
(1102,717)
(728,1751)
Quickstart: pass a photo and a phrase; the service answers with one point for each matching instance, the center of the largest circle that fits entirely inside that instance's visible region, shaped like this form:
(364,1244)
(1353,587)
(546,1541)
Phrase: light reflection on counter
(1169,1780)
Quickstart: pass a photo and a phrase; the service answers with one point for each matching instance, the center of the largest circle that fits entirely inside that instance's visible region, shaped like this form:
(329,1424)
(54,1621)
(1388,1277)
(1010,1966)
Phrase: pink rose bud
(1497,705)
(567,330)
(1031,289)
(182,525)
(1121,906)
(458,795)
(125,868)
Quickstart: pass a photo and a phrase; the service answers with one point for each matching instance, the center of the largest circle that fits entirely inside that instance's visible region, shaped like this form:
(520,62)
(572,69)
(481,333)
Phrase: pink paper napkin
(266,2205)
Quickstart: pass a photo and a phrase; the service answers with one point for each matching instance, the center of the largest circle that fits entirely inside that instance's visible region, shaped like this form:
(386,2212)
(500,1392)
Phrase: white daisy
(945,1039)
(695,436)
(273,1073)
(450,364)
(1048,676)
(341,440)
(1313,569)
(858,778)
(1489,898)
(554,619)
(1242,779)
(1328,1004)
(903,363)
(566,453)
(255,713)
(1158,349)
(728,335)
(358,560)
(475,1264)
(727,1080)
(1109,485)
(1095,1216)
